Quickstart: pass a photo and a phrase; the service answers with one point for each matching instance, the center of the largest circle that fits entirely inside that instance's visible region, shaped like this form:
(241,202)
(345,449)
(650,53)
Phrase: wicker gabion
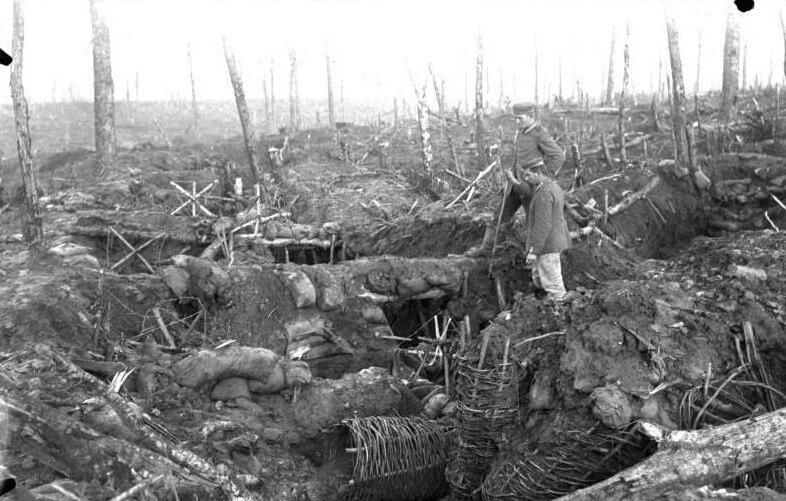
(396,458)
(488,402)
(575,460)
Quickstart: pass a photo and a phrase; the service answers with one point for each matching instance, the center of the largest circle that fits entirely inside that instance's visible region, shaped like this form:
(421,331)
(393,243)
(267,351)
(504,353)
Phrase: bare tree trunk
(194,105)
(783,31)
(136,86)
(268,120)
(440,103)
(625,77)
(395,113)
(273,121)
(479,128)
(559,65)
(731,64)
(537,104)
(466,91)
(696,86)
(242,111)
(678,91)
(293,93)
(341,95)
(425,138)
(32,226)
(331,106)
(103,91)
(501,90)
(610,81)
(745,68)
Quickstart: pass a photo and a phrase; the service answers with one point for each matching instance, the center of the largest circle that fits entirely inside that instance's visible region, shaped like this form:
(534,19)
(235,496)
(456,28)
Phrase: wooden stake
(162,326)
(503,303)
(331,105)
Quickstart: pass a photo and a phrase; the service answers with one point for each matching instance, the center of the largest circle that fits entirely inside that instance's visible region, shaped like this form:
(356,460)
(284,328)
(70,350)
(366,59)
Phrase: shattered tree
(678,91)
(242,111)
(103,91)
(731,65)
(331,104)
(194,105)
(32,223)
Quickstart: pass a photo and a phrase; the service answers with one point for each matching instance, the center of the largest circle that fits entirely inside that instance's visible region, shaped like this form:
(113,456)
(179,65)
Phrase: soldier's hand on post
(511,177)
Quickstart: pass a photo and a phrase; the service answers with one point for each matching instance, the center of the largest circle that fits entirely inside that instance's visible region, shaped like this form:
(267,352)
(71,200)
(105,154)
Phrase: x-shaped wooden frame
(193,198)
(134,250)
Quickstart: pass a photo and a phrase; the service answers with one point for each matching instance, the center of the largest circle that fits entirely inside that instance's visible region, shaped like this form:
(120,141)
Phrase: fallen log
(471,185)
(689,459)
(634,197)
(633,142)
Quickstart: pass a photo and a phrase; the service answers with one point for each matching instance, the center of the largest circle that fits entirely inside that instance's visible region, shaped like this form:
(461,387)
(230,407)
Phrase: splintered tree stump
(689,459)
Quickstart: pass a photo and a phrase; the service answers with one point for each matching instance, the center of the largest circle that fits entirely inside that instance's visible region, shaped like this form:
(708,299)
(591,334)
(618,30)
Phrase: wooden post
(606,153)
(136,86)
(610,81)
(479,128)
(331,105)
(32,226)
(294,105)
(678,91)
(731,63)
(242,111)
(195,108)
(103,91)
(576,157)
(625,79)
(559,66)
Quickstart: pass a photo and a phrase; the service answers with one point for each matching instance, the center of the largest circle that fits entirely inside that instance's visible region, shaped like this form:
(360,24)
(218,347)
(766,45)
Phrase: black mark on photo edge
(5,59)
(744,5)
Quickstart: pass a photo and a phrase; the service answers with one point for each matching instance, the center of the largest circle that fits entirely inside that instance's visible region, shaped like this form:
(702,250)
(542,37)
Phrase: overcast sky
(372,41)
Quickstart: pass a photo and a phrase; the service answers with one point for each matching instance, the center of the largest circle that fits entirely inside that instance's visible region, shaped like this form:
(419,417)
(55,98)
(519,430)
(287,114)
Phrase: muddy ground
(670,294)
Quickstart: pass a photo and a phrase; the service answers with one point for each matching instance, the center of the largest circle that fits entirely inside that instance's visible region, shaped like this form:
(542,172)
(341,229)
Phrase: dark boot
(485,247)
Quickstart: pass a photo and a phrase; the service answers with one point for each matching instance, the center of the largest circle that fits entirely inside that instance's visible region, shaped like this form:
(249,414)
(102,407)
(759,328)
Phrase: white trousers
(547,275)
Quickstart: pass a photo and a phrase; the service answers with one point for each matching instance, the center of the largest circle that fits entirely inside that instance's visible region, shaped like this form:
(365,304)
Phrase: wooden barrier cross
(193,198)
(134,250)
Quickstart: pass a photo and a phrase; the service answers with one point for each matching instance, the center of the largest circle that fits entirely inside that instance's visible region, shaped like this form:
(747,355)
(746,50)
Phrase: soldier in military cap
(535,155)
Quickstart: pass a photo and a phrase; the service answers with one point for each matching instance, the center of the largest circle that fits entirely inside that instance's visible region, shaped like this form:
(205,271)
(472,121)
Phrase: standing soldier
(534,150)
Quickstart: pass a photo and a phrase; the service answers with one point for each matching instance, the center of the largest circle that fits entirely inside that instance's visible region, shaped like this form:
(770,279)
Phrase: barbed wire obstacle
(395,458)
(575,460)
(487,390)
